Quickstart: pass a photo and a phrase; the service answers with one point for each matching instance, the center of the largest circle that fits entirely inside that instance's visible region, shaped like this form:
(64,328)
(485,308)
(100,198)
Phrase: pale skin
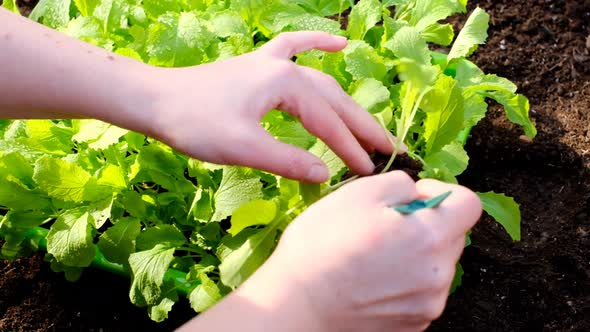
(349,262)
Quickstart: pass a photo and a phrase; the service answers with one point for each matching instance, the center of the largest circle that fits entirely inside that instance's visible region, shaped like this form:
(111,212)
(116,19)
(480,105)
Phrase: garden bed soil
(539,284)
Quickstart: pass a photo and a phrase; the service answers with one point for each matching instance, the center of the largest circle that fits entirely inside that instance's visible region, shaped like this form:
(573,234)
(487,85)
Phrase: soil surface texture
(541,283)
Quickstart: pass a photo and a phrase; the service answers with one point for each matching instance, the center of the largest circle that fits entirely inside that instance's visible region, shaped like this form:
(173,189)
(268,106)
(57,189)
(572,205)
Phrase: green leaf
(427,12)
(452,160)
(458,278)
(364,15)
(71,273)
(420,76)
(101,211)
(238,186)
(197,169)
(11,5)
(334,163)
(99,135)
(202,207)
(444,114)
(288,193)
(363,61)
(70,239)
(86,7)
(14,164)
(385,118)
(390,27)
(53,13)
(473,79)
(147,274)
(128,52)
(88,29)
(48,137)
(16,195)
(288,131)
(441,34)
(272,16)
(309,22)
(207,236)
(310,192)
(159,164)
(517,109)
(311,59)
(324,7)
(256,212)
(239,260)
(61,179)
(227,23)
(235,45)
(178,40)
(452,156)
(13,229)
(161,235)
(112,14)
(159,312)
(155,8)
(371,94)
(113,177)
(204,295)
(334,65)
(474,32)
(504,210)
(118,241)
(409,43)
(475,109)
(477,85)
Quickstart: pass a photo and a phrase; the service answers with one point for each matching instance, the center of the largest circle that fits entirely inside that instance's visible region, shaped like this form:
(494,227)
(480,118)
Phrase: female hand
(213,112)
(366,267)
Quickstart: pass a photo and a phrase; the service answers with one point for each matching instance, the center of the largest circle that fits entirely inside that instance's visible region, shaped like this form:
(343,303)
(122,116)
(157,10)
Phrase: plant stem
(406,127)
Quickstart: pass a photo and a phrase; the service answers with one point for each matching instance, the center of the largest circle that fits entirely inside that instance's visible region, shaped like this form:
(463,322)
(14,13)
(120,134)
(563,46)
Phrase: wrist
(129,97)
(283,297)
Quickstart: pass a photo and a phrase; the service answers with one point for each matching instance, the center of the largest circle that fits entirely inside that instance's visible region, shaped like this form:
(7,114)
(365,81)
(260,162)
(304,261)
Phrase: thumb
(288,44)
(264,152)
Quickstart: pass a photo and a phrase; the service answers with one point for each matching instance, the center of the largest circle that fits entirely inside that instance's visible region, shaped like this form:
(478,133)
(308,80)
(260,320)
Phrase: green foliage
(149,208)
(505,210)
(70,239)
(11,5)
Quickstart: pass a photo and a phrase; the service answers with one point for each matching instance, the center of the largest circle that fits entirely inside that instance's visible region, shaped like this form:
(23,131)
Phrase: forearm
(266,302)
(46,74)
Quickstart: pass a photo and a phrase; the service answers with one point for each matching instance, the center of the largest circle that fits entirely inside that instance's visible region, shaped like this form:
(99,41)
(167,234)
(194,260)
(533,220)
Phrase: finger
(456,214)
(318,117)
(368,147)
(457,248)
(361,123)
(264,152)
(389,189)
(288,44)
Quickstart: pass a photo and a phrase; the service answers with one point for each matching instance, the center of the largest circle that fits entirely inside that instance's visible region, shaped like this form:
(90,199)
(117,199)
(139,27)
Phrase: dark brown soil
(539,284)
(543,282)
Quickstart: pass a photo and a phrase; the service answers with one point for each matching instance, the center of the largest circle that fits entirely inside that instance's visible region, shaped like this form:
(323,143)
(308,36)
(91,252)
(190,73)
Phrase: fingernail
(317,173)
(371,168)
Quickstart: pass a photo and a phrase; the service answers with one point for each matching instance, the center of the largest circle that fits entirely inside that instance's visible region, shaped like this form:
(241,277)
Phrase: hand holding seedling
(363,268)
(213,111)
